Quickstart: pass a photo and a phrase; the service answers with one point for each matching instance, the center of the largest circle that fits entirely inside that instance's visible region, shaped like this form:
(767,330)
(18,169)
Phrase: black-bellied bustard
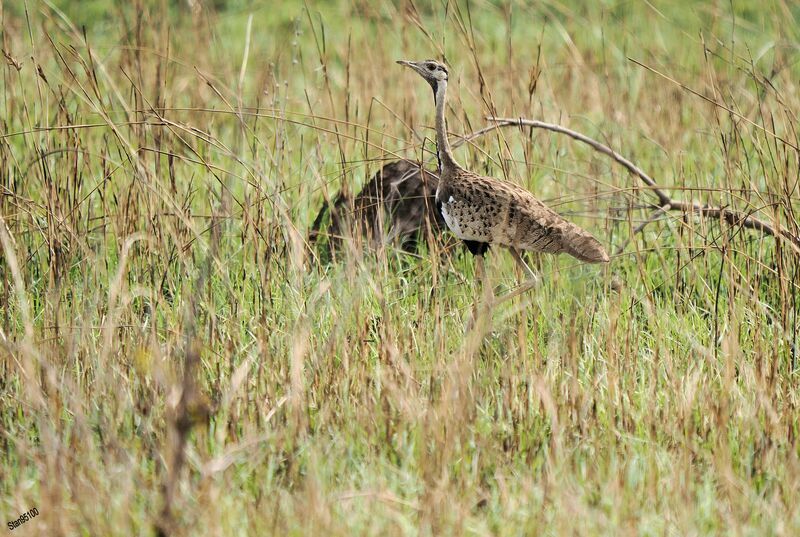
(483,211)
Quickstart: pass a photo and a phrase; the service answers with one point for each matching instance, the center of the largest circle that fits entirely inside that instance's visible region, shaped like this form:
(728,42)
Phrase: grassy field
(176,359)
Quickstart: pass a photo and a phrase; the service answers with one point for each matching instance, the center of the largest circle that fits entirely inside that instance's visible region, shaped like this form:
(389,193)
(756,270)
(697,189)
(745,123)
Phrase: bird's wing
(522,221)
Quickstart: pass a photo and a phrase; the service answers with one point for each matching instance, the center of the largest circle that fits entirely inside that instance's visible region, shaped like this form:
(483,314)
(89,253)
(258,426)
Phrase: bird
(484,211)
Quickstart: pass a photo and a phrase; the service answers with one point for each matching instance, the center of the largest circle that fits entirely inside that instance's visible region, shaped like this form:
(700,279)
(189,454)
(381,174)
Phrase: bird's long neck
(445,155)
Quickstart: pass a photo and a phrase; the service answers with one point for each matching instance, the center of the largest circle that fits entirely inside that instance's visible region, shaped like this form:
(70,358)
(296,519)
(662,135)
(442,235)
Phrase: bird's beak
(415,66)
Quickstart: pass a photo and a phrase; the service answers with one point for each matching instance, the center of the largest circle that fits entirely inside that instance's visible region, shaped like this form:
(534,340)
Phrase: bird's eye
(431,67)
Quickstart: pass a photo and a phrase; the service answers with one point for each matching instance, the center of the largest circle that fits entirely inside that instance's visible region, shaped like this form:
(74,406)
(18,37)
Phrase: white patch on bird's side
(451,222)
(455,226)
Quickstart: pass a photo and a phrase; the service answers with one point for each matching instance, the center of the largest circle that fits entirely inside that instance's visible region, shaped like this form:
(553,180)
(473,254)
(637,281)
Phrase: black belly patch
(477,247)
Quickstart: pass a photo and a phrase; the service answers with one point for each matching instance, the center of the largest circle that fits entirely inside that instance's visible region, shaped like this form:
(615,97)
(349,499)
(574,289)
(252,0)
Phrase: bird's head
(431,70)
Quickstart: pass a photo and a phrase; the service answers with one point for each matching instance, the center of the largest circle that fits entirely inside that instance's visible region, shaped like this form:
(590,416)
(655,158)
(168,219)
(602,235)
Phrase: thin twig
(652,218)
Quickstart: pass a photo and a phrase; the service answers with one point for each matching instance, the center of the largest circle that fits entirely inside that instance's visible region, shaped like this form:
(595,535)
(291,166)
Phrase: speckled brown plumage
(482,210)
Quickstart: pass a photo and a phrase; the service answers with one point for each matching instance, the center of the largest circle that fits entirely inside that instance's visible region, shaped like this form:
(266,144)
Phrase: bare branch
(734,218)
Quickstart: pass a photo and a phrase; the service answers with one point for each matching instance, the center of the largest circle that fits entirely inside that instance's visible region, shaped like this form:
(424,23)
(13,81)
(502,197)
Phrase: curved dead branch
(665,202)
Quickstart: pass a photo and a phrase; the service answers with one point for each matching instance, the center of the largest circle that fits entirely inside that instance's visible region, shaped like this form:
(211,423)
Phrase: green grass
(175,357)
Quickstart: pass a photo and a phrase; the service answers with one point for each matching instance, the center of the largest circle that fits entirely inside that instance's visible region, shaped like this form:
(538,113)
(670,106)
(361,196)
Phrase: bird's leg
(486,298)
(521,262)
(526,286)
(486,290)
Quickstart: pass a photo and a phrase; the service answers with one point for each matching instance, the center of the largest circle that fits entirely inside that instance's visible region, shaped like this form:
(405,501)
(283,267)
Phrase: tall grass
(175,358)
